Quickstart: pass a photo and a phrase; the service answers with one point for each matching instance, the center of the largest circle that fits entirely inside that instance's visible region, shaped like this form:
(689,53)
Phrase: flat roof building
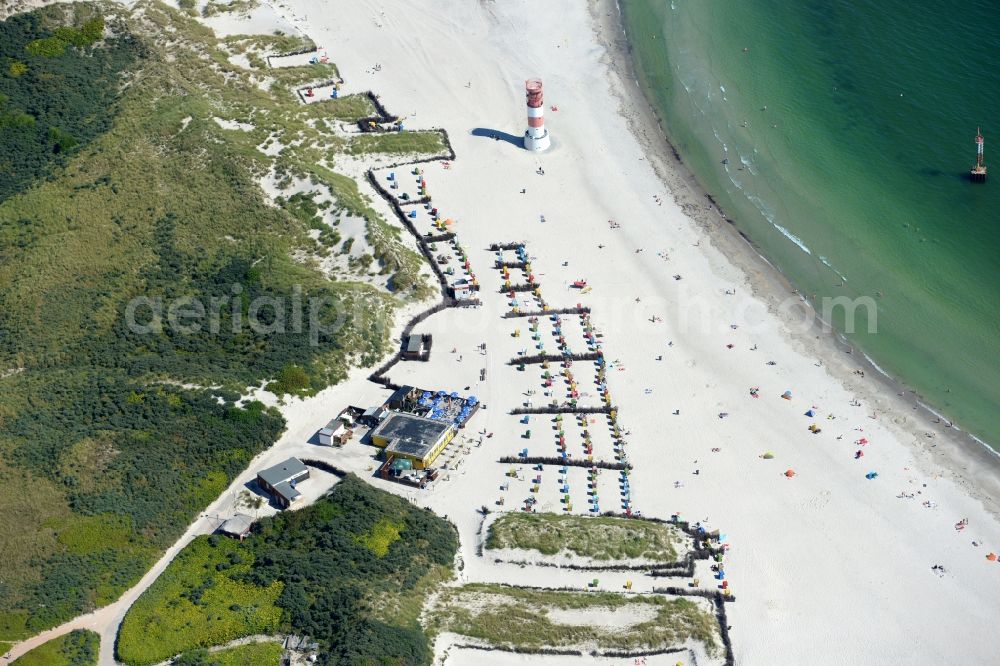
(336,433)
(417,347)
(280,481)
(238,526)
(413,438)
(373,416)
(414,345)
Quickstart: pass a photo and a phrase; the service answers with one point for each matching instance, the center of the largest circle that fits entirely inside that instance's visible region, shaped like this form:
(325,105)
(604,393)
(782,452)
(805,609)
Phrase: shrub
(48,47)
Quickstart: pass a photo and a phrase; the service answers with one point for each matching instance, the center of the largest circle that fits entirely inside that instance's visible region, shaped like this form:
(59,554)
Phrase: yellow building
(411,437)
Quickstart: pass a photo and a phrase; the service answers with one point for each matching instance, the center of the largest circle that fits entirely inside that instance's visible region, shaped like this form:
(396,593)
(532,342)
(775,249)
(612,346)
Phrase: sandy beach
(827,558)
(714,361)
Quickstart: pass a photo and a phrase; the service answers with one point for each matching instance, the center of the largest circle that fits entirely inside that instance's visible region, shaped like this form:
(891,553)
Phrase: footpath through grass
(528,618)
(601,538)
(352,571)
(119,182)
(251,654)
(77,648)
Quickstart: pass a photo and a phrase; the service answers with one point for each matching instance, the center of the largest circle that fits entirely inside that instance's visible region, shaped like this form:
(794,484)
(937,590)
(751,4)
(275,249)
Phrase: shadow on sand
(497,135)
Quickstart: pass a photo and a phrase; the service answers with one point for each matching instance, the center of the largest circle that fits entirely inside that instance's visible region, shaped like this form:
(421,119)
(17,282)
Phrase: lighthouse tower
(536,137)
(978,173)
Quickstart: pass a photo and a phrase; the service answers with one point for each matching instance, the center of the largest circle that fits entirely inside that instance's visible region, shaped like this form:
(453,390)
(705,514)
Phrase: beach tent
(810,413)
(871,475)
(787,395)
(789,473)
(768,456)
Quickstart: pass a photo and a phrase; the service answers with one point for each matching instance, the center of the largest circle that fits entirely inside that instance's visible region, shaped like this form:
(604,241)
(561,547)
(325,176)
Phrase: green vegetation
(58,95)
(304,208)
(601,538)
(384,533)
(419,143)
(77,648)
(252,654)
(351,570)
(208,605)
(213,7)
(116,183)
(517,617)
(277,43)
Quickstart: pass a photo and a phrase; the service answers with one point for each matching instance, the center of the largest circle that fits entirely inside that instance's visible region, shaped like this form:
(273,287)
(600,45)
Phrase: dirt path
(105,621)
(246,640)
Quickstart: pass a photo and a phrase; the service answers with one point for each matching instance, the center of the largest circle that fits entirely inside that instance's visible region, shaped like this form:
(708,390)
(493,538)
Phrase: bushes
(49,47)
(77,648)
(193,604)
(153,199)
(69,89)
(333,584)
(292,379)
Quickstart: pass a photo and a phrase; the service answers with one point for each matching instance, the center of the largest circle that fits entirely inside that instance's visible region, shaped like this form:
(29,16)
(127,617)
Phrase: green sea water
(854,179)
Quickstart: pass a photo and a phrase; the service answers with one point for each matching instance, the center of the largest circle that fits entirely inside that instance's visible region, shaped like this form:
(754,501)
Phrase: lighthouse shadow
(497,135)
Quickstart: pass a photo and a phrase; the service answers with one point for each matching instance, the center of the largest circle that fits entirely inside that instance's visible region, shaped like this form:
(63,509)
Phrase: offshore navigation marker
(978,173)
(536,137)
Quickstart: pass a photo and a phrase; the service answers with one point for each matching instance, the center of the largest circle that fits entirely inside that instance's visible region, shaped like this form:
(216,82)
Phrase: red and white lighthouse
(536,137)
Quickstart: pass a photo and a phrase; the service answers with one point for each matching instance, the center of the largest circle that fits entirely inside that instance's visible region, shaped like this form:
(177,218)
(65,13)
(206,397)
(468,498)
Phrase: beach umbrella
(871,475)
(992,557)
(789,473)
(768,456)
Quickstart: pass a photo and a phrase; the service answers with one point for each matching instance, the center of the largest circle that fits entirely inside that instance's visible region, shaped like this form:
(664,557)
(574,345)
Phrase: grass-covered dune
(522,618)
(601,538)
(131,148)
(352,571)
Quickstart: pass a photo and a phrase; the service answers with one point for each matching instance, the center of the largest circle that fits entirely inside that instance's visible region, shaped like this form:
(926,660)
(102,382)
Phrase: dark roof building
(413,437)
(280,481)
(400,397)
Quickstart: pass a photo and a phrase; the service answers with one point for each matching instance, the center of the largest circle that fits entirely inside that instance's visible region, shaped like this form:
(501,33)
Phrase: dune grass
(410,143)
(519,617)
(99,432)
(601,538)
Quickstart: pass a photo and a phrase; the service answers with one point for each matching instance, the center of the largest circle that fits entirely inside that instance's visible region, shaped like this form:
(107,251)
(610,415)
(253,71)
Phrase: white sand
(828,567)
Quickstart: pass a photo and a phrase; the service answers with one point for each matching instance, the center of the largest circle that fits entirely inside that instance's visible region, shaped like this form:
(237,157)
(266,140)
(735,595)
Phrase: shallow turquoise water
(857,168)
